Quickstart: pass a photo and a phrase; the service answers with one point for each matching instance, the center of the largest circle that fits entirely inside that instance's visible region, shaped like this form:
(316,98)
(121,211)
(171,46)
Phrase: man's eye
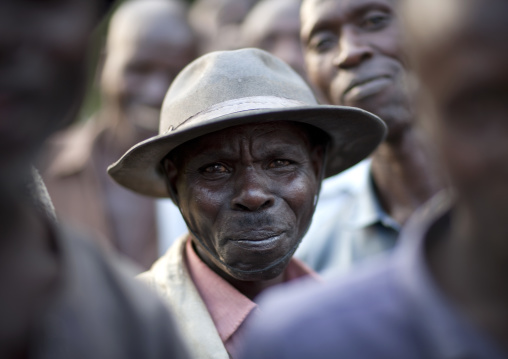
(279,163)
(376,20)
(215,168)
(322,42)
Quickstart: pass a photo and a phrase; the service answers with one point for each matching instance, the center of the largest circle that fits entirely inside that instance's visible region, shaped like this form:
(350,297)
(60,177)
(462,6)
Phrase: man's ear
(317,157)
(318,160)
(171,177)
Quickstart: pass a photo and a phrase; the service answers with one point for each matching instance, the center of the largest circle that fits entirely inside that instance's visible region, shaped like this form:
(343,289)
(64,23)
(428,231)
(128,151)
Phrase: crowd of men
(295,179)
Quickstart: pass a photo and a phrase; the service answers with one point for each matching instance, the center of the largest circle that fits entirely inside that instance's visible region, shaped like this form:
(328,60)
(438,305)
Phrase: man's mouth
(258,239)
(363,88)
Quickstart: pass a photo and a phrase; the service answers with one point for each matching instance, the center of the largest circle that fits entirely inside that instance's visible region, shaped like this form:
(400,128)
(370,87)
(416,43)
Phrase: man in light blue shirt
(349,226)
(354,57)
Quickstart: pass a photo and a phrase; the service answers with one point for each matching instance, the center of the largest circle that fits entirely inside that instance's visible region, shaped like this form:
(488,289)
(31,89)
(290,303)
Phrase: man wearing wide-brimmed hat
(242,150)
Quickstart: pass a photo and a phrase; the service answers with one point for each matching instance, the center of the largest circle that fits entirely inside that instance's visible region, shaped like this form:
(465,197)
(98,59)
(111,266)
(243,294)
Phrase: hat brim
(354,134)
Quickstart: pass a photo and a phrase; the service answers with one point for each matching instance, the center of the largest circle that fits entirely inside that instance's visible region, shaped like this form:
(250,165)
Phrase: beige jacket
(169,276)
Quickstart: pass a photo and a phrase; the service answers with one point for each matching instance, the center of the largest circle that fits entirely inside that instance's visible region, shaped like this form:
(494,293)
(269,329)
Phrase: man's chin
(396,114)
(266,272)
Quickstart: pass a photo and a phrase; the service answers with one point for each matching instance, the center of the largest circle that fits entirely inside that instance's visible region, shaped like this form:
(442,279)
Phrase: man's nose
(251,192)
(156,88)
(352,50)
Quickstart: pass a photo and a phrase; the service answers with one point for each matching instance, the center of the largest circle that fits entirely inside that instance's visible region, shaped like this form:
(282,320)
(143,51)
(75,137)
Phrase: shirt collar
(367,210)
(350,181)
(448,334)
(227,306)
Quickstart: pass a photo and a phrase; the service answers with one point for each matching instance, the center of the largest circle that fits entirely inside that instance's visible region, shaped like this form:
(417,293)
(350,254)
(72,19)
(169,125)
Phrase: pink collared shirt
(227,306)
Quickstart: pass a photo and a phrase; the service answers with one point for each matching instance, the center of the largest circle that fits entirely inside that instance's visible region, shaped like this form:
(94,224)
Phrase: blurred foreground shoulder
(359,316)
(115,316)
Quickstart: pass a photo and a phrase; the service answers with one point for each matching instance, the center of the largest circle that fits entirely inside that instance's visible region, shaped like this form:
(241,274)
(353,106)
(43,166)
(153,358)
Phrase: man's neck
(404,175)
(252,289)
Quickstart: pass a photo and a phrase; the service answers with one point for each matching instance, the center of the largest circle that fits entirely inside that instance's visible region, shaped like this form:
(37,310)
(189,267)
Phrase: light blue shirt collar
(368,211)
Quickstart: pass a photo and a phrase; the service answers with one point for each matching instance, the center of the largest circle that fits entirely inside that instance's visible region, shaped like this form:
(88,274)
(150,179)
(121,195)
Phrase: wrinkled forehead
(265,132)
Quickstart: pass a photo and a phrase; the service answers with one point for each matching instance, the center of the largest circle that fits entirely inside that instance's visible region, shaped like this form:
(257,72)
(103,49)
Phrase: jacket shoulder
(359,316)
(109,303)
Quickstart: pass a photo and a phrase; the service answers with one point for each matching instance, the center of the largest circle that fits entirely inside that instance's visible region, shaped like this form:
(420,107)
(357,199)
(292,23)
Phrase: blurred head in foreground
(55,283)
(42,72)
(149,42)
(460,58)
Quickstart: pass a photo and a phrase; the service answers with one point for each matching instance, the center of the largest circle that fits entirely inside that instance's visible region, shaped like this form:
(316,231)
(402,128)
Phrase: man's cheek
(298,195)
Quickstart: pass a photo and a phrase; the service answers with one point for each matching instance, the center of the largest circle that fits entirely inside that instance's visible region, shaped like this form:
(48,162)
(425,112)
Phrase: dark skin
(42,71)
(466,97)
(353,56)
(148,45)
(247,194)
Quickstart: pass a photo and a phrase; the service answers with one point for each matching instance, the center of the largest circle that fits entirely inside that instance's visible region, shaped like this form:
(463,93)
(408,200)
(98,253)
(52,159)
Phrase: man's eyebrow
(330,19)
(362,7)
(283,149)
(320,25)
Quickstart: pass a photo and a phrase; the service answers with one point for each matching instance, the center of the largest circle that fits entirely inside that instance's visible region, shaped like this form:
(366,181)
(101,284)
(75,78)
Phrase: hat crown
(228,75)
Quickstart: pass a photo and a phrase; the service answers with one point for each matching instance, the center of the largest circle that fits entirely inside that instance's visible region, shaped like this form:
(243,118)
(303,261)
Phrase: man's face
(353,55)
(140,68)
(468,94)
(247,194)
(42,68)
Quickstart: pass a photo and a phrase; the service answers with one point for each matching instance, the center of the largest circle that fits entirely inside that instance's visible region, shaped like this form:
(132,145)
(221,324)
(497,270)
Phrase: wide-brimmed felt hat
(228,88)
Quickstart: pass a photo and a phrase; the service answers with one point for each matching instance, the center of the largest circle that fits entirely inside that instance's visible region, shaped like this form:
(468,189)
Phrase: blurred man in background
(61,297)
(274,26)
(149,42)
(217,23)
(353,54)
(443,293)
